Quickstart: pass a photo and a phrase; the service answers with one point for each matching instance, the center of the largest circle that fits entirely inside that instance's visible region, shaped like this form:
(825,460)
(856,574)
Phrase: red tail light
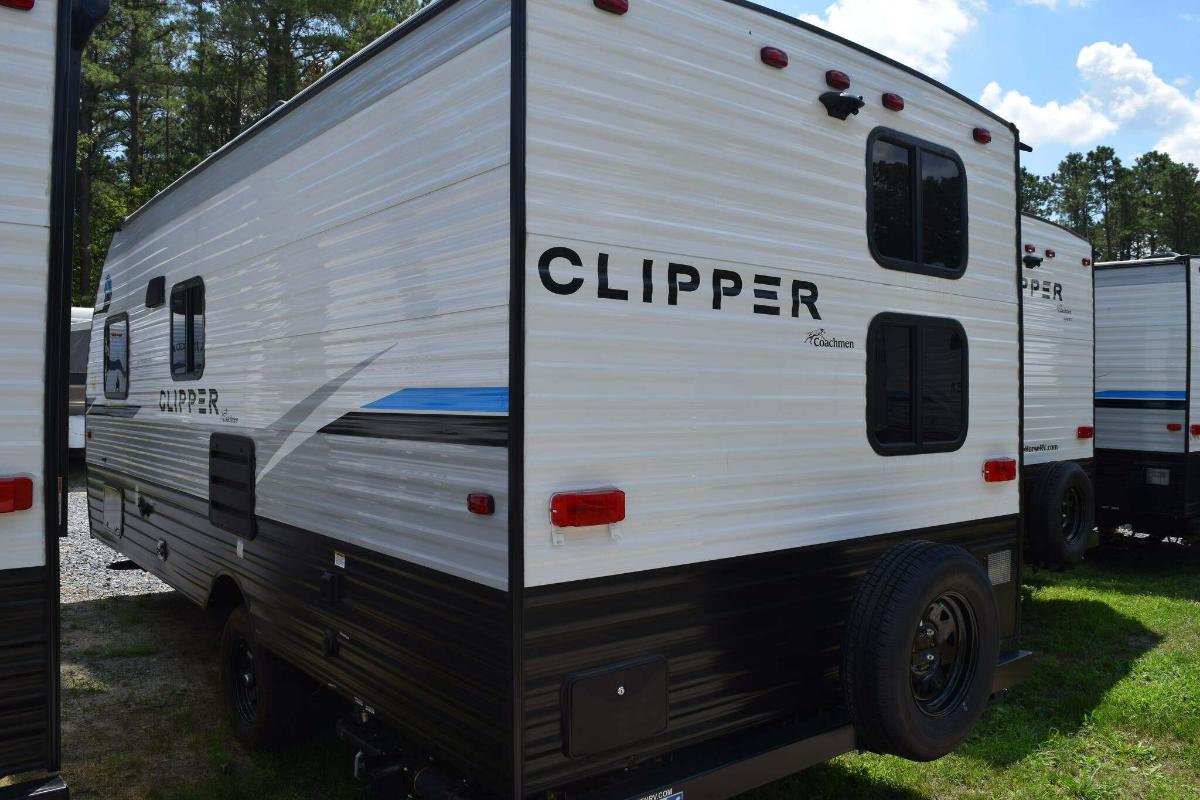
(19,5)
(999,470)
(480,503)
(893,102)
(584,509)
(836,79)
(1174,427)
(612,6)
(1085,432)
(982,135)
(773,57)
(16,494)
(1196,430)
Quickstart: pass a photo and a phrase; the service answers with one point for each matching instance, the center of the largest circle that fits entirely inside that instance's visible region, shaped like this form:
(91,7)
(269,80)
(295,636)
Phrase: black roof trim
(434,8)
(1058,225)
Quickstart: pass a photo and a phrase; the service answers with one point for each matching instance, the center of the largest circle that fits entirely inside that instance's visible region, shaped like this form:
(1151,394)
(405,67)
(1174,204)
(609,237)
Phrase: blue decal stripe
(1120,395)
(477,399)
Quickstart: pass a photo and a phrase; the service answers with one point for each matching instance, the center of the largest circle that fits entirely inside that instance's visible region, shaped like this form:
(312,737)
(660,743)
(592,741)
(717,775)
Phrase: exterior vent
(231,483)
(999,567)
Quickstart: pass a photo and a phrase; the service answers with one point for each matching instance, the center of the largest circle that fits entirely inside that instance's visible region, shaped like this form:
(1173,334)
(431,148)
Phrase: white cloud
(919,33)
(1121,92)
(1053,4)
(1077,123)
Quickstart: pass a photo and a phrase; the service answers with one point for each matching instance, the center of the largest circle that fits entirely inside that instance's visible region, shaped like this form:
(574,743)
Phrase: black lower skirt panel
(24,670)
(749,641)
(427,651)
(1125,497)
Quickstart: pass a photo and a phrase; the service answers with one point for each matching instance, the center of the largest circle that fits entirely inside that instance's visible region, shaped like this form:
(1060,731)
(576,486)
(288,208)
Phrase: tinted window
(917,205)
(187,330)
(916,384)
(116,358)
(891,177)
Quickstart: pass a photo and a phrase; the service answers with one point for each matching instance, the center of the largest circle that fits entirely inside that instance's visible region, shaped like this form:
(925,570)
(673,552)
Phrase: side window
(916,385)
(916,205)
(187,330)
(116,357)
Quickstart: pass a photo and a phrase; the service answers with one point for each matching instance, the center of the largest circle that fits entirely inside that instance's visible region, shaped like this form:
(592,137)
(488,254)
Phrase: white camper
(81,338)
(1146,396)
(1057,331)
(39,73)
(579,386)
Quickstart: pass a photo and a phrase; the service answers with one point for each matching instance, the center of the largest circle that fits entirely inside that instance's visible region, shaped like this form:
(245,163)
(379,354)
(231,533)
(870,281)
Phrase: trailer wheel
(1063,515)
(260,690)
(921,646)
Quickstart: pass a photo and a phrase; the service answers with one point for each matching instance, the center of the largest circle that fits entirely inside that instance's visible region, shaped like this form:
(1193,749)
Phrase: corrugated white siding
(660,135)
(1058,345)
(385,237)
(27,48)
(1141,354)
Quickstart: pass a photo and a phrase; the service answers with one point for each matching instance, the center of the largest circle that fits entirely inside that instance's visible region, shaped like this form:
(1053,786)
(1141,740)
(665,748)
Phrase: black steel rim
(245,681)
(1072,515)
(944,654)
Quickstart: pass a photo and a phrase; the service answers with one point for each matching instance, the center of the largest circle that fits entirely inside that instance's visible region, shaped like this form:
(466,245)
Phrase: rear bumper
(42,789)
(1014,667)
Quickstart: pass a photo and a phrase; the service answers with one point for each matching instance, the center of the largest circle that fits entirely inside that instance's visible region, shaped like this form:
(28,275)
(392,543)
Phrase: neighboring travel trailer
(39,82)
(1056,291)
(81,338)
(612,401)
(1147,425)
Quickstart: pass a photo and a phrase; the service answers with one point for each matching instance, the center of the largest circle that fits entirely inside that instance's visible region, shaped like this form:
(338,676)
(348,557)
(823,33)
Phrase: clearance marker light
(1049,254)
(1195,430)
(481,503)
(1174,427)
(893,102)
(16,494)
(1087,262)
(584,509)
(1030,248)
(999,470)
(19,5)
(982,135)
(773,57)
(1085,432)
(612,6)
(836,79)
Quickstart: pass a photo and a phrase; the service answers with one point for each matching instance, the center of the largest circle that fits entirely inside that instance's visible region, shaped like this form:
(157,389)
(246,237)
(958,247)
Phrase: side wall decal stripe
(444,428)
(1140,395)
(477,399)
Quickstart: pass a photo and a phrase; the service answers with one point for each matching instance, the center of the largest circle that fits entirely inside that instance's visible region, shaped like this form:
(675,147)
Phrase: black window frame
(918,146)
(875,412)
(108,323)
(190,372)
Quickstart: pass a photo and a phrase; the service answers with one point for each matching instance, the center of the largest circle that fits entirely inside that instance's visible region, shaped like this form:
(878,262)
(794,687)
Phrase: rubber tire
(1045,520)
(877,652)
(279,697)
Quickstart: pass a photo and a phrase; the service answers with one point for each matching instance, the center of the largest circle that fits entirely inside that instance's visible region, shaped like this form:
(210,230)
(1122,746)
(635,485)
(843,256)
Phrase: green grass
(1113,709)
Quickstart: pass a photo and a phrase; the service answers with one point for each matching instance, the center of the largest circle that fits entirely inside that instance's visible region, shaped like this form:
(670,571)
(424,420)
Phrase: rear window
(916,384)
(916,205)
(116,357)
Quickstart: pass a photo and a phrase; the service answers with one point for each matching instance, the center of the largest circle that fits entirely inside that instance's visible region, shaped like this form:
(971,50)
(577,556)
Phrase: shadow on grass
(1142,566)
(1083,649)
(833,781)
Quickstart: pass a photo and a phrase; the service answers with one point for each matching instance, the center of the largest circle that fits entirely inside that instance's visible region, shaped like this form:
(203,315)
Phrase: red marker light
(1030,248)
(584,509)
(19,5)
(1049,254)
(773,57)
(836,79)
(1000,470)
(16,494)
(612,6)
(893,101)
(481,504)
(1174,427)
(982,135)
(1085,432)
(1087,262)
(1195,430)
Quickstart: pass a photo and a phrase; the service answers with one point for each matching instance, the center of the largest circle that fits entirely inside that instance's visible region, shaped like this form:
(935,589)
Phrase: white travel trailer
(610,398)
(40,43)
(1146,396)
(1056,290)
(81,338)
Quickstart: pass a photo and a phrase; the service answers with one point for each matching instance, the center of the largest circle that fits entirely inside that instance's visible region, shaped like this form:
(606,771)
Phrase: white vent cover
(999,567)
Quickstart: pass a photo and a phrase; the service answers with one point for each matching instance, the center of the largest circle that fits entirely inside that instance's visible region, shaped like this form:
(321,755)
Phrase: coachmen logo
(819,338)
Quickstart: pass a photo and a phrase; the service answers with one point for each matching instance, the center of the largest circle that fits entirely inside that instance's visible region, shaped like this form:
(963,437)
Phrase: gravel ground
(85,572)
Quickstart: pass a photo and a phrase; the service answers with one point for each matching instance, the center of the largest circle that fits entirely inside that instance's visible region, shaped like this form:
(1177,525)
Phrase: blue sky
(1071,73)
